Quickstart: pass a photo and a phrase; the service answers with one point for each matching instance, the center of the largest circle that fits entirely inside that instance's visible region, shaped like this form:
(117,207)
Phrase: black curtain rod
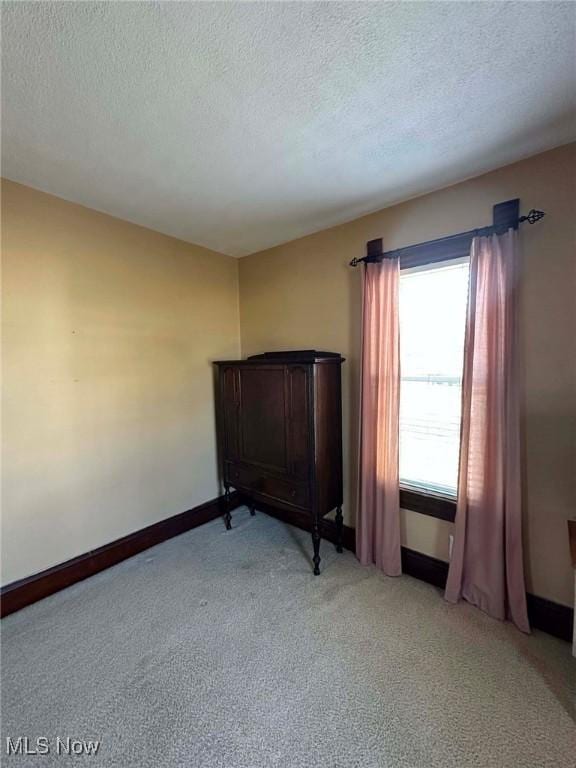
(504,216)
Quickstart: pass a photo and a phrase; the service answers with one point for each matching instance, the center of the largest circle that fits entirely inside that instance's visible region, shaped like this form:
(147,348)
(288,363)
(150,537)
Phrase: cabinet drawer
(254,480)
(285,490)
(241,477)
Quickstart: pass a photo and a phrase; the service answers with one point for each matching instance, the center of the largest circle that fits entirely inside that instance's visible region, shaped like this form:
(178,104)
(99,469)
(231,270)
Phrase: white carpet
(221,650)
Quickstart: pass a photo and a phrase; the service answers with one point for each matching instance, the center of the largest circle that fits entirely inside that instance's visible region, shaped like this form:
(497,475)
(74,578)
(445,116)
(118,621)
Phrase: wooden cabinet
(280,433)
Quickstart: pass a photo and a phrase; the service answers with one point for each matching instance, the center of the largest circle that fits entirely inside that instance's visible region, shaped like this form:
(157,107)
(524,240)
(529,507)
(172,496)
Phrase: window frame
(431,504)
(421,256)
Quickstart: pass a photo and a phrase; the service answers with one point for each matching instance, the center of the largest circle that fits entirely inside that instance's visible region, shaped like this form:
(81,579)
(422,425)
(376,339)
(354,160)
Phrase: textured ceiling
(242,125)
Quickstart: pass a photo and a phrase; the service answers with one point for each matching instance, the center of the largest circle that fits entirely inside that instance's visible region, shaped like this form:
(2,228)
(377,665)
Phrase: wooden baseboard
(424,567)
(26,591)
(546,615)
(550,617)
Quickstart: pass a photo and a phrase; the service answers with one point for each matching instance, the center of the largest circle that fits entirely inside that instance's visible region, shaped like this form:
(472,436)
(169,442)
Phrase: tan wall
(304,295)
(109,331)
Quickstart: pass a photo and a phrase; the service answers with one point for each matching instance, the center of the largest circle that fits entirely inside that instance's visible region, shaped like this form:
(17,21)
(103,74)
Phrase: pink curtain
(378,529)
(487,565)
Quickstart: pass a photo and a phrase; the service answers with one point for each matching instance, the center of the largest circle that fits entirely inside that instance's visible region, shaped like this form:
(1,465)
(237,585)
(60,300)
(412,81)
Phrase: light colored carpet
(220,649)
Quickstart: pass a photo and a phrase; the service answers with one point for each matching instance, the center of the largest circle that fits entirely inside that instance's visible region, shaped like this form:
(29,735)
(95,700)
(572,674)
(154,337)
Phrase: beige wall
(304,295)
(108,417)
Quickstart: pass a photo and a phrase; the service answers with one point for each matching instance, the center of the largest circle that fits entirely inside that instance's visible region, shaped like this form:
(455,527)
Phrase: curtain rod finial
(533,216)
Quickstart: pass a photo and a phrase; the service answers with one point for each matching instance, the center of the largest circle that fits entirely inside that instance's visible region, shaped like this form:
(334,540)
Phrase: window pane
(432,323)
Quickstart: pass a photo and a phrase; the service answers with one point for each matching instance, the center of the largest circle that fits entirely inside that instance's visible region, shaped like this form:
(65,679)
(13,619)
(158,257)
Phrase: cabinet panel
(229,385)
(328,437)
(298,420)
(263,417)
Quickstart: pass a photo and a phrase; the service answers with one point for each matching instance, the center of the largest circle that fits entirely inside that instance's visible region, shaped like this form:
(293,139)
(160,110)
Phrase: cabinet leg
(252,508)
(316,544)
(227,515)
(339,525)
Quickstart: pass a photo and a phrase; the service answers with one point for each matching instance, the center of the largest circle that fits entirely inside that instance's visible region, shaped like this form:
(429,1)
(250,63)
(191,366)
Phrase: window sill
(429,504)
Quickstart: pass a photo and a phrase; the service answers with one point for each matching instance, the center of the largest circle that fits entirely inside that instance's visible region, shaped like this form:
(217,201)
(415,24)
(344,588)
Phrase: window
(433,303)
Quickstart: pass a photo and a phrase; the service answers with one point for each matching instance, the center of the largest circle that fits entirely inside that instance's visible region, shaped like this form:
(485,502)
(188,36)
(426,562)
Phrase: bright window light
(432,322)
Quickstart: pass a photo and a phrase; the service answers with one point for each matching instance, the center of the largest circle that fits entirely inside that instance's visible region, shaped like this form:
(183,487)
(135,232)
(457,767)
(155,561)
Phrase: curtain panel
(486,568)
(378,528)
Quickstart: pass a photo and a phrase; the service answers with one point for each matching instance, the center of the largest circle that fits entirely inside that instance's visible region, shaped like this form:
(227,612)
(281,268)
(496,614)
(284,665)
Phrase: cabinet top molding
(292,356)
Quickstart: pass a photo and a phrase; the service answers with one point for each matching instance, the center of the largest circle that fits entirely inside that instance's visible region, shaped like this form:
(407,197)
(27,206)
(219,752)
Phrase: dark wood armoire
(280,434)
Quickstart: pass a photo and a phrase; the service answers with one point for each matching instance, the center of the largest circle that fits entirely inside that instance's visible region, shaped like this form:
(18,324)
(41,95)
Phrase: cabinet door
(263,411)
(230,393)
(299,420)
